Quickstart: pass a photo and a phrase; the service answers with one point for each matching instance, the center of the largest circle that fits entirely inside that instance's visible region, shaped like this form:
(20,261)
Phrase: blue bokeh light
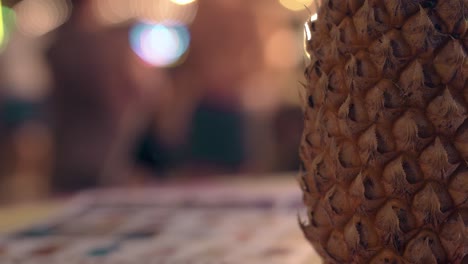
(158,44)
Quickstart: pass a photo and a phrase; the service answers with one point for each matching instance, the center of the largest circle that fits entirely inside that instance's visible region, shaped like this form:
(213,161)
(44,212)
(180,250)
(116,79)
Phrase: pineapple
(385,142)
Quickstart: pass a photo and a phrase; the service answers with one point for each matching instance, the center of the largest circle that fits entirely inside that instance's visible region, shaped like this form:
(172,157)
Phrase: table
(246,220)
(15,217)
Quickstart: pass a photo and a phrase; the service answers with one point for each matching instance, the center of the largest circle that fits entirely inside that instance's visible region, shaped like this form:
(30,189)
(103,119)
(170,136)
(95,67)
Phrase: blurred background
(128,92)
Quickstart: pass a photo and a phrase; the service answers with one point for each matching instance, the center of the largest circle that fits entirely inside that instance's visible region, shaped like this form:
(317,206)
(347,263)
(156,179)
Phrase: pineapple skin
(385,144)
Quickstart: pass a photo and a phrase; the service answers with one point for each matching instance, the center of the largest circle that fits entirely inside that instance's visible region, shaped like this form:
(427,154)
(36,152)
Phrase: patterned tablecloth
(238,221)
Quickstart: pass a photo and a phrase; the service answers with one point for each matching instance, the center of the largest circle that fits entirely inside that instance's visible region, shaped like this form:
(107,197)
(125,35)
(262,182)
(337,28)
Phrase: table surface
(245,220)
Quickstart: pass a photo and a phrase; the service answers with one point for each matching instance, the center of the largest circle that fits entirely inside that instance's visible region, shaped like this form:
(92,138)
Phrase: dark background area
(130,92)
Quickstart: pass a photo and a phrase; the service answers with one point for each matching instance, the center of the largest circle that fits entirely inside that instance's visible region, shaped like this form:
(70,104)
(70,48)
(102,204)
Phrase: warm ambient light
(110,12)
(178,12)
(38,17)
(182,2)
(296,5)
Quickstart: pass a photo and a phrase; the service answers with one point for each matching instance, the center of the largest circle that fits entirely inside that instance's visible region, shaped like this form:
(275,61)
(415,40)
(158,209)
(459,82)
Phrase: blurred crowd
(81,108)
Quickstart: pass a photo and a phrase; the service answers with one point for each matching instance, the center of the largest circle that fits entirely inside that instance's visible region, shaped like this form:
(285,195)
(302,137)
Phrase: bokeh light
(38,17)
(296,5)
(155,11)
(158,44)
(113,11)
(167,12)
(7,23)
(182,2)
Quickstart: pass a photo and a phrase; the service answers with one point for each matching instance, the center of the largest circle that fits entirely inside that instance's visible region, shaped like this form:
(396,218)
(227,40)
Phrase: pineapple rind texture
(385,142)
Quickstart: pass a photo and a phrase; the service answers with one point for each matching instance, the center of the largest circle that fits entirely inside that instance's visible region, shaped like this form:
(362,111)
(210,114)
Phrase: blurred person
(99,102)
(225,50)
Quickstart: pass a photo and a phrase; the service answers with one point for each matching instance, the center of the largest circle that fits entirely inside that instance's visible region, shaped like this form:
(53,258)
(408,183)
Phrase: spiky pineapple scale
(385,142)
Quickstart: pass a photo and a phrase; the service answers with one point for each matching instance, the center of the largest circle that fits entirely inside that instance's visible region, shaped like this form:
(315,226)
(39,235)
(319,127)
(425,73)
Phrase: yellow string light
(182,2)
(2,25)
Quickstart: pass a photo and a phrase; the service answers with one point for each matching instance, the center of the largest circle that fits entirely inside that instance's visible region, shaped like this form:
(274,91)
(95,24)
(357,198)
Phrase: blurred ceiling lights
(160,45)
(180,12)
(296,5)
(38,17)
(182,2)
